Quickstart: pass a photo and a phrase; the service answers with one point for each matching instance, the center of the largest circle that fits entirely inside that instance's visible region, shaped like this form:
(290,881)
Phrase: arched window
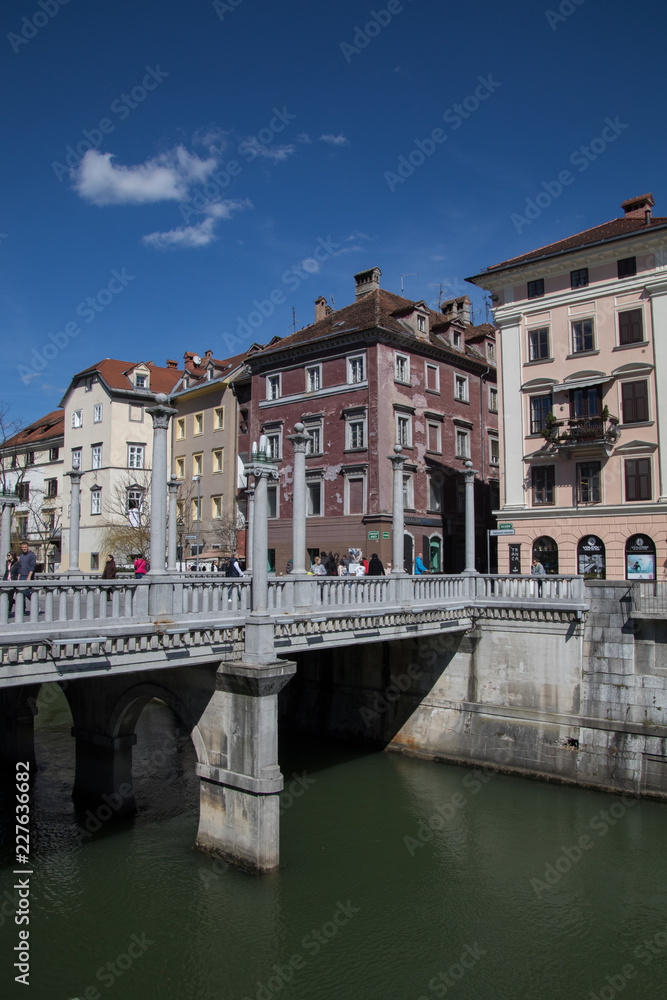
(546,551)
(591,558)
(639,558)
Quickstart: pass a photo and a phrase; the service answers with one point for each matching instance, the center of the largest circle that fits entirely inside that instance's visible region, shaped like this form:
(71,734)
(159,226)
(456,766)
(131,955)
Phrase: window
(196,508)
(94,560)
(179,468)
(29,458)
(355,495)
(433,436)
(198,464)
(585,402)
(53,454)
(135,456)
(588,482)
(638,479)
(21,522)
(273,387)
(538,344)
(403,430)
(135,504)
(434,493)
(579,279)
(461,388)
(23,492)
(421,324)
(543,479)
(356,432)
(432,378)
(460,496)
(219,418)
(198,423)
(97,413)
(77,418)
(634,402)
(630,327)
(490,350)
(314,499)
(582,336)
(180,428)
(313,378)
(180,512)
(408,491)
(141,381)
(355,369)
(96,501)
(51,487)
(540,407)
(314,445)
(456,339)
(493,399)
(627,267)
(88,384)
(216,508)
(536,288)
(462,444)
(272,498)
(97,456)
(494,451)
(274,450)
(218,460)
(402,368)
(76,458)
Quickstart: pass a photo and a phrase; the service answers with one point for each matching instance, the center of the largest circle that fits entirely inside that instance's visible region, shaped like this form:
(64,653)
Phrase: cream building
(583,396)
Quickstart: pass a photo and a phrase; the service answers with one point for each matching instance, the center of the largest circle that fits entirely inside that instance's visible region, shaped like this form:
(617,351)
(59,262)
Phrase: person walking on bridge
(27,563)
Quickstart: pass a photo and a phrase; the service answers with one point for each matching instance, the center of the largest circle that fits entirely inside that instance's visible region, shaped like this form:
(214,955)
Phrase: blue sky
(245,149)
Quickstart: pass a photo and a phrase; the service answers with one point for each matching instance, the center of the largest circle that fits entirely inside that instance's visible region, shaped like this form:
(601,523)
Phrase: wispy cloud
(251,144)
(165,178)
(199,235)
(335,140)
(304,137)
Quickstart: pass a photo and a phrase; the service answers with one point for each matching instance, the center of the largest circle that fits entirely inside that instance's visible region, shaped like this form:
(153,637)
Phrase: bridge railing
(649,597)
(63,600)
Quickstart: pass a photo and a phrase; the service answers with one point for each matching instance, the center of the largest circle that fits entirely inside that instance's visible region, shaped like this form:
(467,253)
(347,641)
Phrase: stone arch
(128,708)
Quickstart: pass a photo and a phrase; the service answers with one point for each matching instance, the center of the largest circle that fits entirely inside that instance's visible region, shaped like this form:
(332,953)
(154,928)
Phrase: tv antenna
(409,274)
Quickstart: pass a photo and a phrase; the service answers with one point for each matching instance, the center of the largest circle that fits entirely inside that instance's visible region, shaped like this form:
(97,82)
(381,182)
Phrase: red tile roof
(115,374)
(45,429)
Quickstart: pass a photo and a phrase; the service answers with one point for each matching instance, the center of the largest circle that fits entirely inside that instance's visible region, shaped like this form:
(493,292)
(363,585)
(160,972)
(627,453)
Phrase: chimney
(463,310)
(639,208)
(367,281)
(322,309)
(209,354)
(171,363)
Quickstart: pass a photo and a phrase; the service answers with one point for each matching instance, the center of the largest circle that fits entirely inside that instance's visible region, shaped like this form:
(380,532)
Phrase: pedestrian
(364,560)
(233,568)
(317,568)
(375,567)
(537,569)
(332,564)
(11,573)
(419,566)
(109,572)
(289,567)
(357,568)
(342,566)
(27,562)
(139,566)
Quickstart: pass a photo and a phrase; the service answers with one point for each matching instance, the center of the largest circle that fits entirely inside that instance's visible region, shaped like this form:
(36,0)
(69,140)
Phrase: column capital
(300,438)
(161,413)
(75,475)
(397,459)
(469,472)
(8,499)
(259,469)
(172,484)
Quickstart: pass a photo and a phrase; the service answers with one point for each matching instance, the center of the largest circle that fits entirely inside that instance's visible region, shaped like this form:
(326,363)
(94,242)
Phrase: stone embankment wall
(543,694)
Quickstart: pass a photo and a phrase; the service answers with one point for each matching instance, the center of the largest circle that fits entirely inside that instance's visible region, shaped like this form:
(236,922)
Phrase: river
(400,879)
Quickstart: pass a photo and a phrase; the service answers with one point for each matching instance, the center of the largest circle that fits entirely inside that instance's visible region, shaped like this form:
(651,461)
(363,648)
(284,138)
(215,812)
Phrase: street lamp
(180,524)
(197,479)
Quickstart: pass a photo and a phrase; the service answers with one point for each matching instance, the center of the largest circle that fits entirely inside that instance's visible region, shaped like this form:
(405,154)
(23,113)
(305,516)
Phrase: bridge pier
(241,784)
(103,773)
(18,707)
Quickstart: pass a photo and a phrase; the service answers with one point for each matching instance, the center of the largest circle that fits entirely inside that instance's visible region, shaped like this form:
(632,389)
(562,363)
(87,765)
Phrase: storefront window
(591,559)
(639,558)
(546,551)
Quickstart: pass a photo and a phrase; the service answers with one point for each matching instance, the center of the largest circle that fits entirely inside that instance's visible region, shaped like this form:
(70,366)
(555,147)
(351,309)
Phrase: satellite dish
(196,359)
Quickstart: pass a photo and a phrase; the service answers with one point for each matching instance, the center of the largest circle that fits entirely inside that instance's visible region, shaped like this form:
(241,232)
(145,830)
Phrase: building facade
(583,390)
(382,371)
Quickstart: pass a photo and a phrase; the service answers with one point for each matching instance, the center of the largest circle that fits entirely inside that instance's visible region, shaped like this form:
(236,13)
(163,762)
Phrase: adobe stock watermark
(446,980)
(116,968)
(88,310)
(571,855)
(645,952)
(581,158)
(454,117)
(122,107)
(565,10)
(31,26)
(379,20)
(223,7)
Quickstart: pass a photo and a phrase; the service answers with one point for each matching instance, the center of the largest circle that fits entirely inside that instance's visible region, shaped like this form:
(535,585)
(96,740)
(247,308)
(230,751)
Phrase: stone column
(172,540)
(469,476)
(250,520)
(240,792)
(74,522)
(161,414)
(299,441)
(8,502)
(103,773)
(398,518)
(262,472)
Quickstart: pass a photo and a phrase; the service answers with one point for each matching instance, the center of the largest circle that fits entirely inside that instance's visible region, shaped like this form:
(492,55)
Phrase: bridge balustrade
(66,600)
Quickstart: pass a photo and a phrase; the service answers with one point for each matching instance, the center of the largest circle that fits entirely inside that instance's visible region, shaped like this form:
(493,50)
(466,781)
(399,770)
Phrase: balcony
(596,432)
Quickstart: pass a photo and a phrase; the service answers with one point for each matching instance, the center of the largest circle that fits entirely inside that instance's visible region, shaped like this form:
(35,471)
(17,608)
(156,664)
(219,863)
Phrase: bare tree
(44,518)
(126,529)
(13,462)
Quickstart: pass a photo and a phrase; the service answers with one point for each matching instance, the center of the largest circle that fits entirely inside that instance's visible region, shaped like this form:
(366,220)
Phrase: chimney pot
(367,281)
(322,309)
(637,208)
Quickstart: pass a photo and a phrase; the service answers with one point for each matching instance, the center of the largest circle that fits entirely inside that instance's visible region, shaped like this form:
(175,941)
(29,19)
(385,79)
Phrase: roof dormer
(140,377)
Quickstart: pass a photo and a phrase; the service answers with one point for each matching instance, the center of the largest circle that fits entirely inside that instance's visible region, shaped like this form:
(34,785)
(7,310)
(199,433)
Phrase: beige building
(108,436)
(205,460)
(583,396)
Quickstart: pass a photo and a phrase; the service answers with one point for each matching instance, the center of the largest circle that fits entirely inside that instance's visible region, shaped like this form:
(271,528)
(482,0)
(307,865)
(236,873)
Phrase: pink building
(582,328)
(381,371)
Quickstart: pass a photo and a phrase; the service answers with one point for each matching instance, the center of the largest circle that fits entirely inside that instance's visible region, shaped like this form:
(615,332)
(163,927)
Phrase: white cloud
(164,178)
(199,235)
(335,140)
(304,137)
(252,145)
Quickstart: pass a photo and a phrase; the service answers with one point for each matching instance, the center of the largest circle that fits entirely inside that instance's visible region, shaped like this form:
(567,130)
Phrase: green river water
(400,879)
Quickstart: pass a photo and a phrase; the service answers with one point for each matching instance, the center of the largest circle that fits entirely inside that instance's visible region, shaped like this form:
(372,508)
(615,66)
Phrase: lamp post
(197,479)
(181,525)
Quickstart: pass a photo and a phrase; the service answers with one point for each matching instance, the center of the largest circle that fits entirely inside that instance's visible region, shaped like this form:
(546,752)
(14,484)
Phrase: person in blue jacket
(419,566)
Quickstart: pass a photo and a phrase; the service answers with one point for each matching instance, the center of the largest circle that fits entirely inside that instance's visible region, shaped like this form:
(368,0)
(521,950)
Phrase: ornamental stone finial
(161,398)
(299,427)
(398,448)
